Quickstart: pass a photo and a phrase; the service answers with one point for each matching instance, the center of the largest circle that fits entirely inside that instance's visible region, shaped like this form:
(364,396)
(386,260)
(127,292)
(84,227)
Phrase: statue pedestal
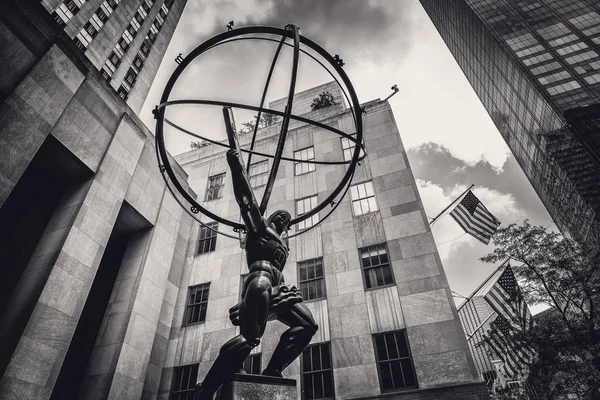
(258,387)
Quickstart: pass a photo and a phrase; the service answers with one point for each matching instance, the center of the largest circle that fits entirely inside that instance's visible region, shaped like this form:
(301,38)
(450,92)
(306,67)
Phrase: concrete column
(37,360)
(130,372)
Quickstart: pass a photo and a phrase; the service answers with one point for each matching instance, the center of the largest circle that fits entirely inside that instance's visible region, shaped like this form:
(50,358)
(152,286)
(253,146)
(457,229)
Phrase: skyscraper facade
(125,40)
(370,273)
(530,61)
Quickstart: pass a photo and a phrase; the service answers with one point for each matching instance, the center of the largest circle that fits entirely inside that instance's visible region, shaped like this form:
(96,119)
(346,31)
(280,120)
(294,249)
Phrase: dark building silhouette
(530,61)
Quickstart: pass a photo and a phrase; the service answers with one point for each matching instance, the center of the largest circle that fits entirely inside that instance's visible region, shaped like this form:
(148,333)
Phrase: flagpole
(450,205)
(480,325)
(484,282)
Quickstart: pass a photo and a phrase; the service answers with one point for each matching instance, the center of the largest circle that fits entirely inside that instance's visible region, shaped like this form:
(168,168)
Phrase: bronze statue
(265,296)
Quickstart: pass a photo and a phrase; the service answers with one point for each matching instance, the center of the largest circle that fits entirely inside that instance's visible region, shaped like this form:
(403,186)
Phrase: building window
(124,44)
(145,49)
(184,382)
(259,173)
(252,364)
(138,62)
(363,198)
(215,187)
(195,310)
(312,281)
(302,207)
(394,363)
(317,376)
(114,59)
(208,238)
(307,154)
(348,147)
(376,266)
(123,92)
(131,76)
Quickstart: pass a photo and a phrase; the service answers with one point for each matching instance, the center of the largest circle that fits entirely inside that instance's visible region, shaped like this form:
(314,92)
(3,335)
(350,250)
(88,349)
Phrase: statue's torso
(266,246)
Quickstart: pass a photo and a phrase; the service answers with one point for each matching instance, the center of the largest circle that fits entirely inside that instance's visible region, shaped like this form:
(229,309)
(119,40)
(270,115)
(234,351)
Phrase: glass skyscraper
(529,61)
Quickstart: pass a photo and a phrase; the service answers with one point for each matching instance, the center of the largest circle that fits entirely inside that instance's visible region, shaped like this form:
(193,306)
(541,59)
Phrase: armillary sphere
(289,36)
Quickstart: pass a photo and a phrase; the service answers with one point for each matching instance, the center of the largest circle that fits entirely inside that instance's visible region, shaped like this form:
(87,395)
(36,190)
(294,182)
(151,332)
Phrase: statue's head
(280,220)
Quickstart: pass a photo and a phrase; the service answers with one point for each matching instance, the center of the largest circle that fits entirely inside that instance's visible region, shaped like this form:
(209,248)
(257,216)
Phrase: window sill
(389,392)
(360,215)
(201,254)
(380,287)
(305,173)
(193,324)
(314,300)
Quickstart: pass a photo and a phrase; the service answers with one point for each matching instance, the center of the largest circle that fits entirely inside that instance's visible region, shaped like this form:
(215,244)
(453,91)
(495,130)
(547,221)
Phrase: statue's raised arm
(242,190)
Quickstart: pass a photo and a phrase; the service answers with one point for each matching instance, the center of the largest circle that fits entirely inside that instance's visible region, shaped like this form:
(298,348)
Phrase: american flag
(506,300)
(513,317)
(474,218)
(507,347)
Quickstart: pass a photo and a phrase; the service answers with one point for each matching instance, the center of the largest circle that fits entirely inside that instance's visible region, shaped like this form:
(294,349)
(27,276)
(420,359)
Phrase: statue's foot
(272,372)
(202,394)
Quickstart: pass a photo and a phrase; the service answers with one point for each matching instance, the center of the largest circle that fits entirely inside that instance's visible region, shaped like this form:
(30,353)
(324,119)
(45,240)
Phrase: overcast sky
(450,140)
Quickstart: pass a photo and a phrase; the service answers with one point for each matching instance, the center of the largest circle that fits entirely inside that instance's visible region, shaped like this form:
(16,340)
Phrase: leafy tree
(247,127)
(266,119)
(199,144)
(325,99)
(561,273)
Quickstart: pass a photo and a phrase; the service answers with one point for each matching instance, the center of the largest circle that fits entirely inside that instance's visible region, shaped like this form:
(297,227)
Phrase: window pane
(302,269)
(306,360)
(356,206)
(362,193)
(308,387)
(381,349)
(328,381)
(387,275)
(372,204)
(391,346)
(319,268)
(401,342)
(386,376)
(409,375)
(318,385)
(397,374)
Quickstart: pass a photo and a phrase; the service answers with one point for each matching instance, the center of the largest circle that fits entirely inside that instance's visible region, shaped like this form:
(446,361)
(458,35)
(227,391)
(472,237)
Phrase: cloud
(435,163)
(351,28)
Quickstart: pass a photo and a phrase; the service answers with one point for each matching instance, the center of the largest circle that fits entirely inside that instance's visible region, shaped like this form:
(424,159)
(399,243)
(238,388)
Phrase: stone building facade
(357,308)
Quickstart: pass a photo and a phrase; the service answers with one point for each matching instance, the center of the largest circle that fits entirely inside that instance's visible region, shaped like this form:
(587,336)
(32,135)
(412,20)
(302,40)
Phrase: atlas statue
(265,295)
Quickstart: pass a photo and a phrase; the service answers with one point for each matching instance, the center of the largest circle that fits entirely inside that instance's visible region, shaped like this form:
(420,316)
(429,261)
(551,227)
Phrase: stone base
(258,387)
(464,391)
